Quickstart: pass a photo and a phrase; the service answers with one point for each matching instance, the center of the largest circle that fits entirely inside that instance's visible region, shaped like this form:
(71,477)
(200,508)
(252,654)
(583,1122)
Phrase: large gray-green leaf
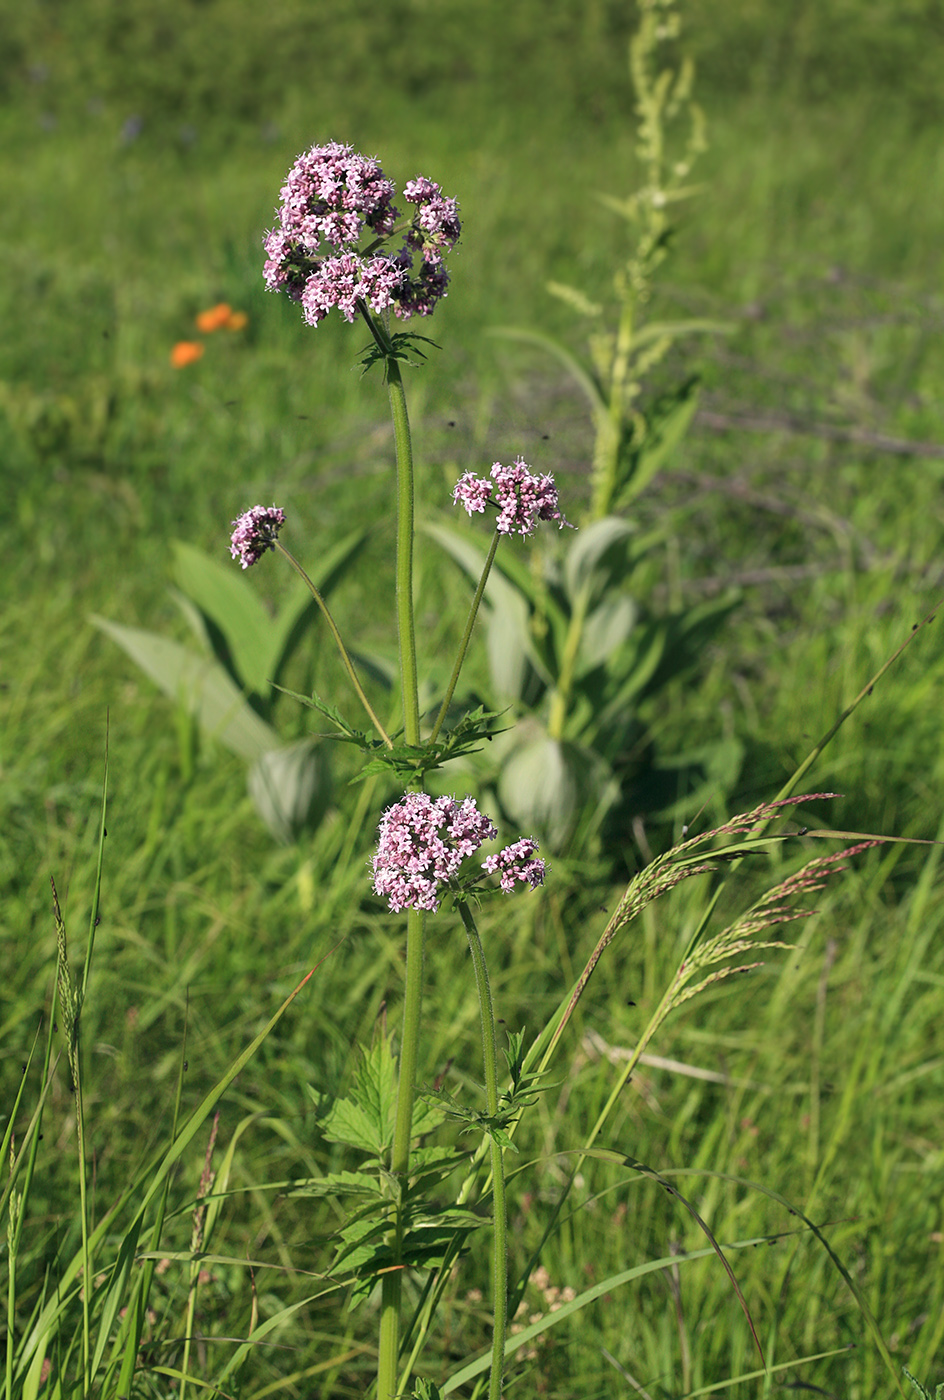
(509,641)
(258,642)
(509,650)
(599,557)
(291,788)
(200,684)
(545,782)
(605,629)
(227,597)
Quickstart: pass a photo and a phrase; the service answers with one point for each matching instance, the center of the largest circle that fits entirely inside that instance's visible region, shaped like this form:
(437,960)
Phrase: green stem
(405,627)
(88,1281)
(391,1288)
(333,629)
(563,690)
(500,1244)
(466,638)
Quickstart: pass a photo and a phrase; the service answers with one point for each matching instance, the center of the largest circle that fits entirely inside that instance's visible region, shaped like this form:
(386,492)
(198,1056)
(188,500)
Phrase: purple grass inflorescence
(332,198)
(521,497)
(424,840)
(254,532)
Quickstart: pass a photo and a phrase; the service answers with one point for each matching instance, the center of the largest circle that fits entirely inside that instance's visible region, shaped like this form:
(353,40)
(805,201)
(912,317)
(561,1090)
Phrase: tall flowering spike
(423,841)
(254,532)
(334,199)
(517,862)
(520,496)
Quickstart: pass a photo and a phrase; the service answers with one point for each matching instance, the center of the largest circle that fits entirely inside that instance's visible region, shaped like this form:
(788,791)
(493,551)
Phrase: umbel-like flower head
(521,497)
(333,199)
(423,842)
(254,532)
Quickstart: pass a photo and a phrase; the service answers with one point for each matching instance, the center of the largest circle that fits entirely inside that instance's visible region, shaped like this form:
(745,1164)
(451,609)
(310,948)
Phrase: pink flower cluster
(331,198)
(254,532)
(516,862)
(521,497)
(423,842)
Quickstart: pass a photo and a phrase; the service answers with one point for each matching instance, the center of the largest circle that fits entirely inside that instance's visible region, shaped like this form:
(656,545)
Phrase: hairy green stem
(500,1242)
(466,638)
(563,690)
(333,629)
(391,1288)
(405,626)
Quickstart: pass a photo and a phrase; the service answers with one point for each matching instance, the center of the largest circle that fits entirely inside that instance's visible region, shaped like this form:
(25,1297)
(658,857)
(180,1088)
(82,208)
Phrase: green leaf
(301,610)
(545,782)
(338,1184)
(508,643)
(600,557)
(229,600)
(664,431)
(200,684)
(656,330)
(552,347)
(366,1118)
(605,630)
(922,1389)
(291,788)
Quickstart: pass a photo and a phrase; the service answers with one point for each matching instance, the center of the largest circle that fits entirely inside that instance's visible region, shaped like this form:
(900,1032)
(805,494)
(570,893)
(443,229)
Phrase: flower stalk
(499,1207)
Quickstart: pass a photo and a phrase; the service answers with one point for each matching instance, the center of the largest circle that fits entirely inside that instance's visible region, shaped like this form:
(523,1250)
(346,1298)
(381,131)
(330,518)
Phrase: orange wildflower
(221,317)
(215,318)
(185,352)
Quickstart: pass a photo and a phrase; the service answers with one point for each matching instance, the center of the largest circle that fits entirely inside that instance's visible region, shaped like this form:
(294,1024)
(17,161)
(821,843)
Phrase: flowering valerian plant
(332,199)
(328,249)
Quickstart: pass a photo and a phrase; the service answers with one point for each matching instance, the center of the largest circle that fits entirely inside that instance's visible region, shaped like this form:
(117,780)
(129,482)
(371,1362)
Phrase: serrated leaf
(365,1119)
(200,684)
(338,1184)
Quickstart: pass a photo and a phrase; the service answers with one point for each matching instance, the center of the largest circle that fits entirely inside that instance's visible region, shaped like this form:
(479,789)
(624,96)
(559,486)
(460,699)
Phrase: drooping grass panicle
(775,907)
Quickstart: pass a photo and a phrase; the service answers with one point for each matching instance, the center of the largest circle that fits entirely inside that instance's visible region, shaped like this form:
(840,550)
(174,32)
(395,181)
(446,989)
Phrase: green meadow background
(142,146)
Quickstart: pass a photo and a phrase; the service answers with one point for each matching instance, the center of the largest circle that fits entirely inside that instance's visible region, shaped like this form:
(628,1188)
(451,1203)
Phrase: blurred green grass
(141,158)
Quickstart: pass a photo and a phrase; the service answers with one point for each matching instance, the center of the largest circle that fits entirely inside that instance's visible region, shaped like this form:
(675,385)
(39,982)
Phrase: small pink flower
(254,532)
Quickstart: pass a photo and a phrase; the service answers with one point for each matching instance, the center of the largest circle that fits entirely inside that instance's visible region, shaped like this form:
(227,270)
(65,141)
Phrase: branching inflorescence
(332,199)
(521,497)
(423,842)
